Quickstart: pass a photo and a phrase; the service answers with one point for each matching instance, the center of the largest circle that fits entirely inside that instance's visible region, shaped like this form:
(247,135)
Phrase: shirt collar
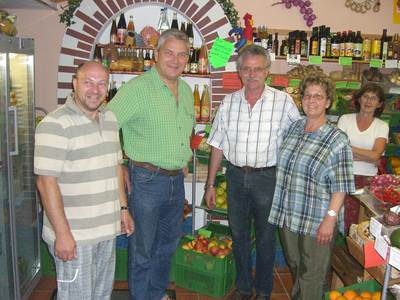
(318,133)
(262,97)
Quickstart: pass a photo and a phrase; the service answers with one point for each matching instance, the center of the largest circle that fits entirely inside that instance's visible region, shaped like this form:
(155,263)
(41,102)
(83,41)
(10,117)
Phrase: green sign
(205,233)
(315,60)
(268,80)
(220,53)
(341,84)
(294,82)
(354,85)
(207,129)
(190,237)
(345,61)
(375,63)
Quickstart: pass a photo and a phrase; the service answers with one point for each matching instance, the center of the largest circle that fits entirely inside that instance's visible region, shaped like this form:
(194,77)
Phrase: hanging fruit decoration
(363,6)
(304,8)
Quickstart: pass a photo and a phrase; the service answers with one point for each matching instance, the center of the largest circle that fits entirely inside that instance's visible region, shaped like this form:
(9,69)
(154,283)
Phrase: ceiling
(28,4)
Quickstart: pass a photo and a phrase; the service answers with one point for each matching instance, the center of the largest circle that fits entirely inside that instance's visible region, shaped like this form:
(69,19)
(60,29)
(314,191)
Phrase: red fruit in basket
(391,218)
(214,250)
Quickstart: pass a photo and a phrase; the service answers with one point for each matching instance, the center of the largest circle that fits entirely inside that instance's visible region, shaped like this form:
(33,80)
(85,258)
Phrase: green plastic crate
(392,150)
(366,286)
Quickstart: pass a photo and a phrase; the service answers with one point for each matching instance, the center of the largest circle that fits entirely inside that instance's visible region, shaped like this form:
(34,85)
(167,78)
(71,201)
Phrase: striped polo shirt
(252,136)
(83,155)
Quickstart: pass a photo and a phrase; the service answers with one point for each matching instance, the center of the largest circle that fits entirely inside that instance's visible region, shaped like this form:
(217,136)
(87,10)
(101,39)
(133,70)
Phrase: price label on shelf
(204,232)
(345,61)
(294,82)
(381,246)
(353,85)
(272,56)
(315,60)
(220,53)
(375,63)
(293,59)
(341,84)
(375,227)
(391,64)
(394,257)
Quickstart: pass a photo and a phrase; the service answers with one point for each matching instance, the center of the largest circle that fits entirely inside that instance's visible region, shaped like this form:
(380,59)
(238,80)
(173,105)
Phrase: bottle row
(331,45)
(131,59)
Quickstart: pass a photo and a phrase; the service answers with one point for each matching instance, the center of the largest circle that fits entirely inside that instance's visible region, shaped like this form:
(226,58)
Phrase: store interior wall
(43,26)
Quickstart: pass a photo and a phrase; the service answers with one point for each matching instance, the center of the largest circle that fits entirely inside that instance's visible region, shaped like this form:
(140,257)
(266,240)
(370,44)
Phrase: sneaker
(239,296)
(165,297)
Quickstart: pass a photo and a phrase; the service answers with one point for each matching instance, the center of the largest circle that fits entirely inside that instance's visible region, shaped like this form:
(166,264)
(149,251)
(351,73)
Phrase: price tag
(394,257)
(293,59)
(272,56)
(294,82)
(375,63)
(353,85)
(381,246)
(280,81)
(394,90)
(315,60)
(190,237)
(345,61)
(391,64)
(341,84)
(205,233)
(207,129)
(375,227)
(220,52)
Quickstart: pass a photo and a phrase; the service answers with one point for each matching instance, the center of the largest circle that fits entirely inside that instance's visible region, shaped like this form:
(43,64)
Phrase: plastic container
(368,286)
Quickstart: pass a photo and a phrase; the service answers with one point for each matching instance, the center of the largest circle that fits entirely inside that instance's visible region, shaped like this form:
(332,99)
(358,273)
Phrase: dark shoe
(259,297)
(239,296)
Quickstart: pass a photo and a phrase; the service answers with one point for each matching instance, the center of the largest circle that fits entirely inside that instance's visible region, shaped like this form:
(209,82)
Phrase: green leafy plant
(230,12)
(68,12)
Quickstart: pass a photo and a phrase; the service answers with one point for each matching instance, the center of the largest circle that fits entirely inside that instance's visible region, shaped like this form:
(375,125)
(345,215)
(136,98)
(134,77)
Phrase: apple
(214,250)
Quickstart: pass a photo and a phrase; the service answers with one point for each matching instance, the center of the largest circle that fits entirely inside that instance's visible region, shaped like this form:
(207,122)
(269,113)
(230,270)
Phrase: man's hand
(127,223)
(209,195)
(127,181)
(65,247)
(325,230)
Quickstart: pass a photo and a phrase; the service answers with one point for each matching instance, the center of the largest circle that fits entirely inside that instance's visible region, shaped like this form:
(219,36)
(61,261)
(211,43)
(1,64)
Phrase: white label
(391,63)
(272,56)
(394,90)
(375,227)
(381,246)
(394,257)
(293,59)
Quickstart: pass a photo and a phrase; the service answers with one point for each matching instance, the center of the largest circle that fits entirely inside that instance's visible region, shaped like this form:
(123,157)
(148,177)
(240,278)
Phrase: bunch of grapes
(304,7)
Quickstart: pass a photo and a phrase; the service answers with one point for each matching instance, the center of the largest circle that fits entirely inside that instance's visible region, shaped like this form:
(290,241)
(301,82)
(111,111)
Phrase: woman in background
(368,136)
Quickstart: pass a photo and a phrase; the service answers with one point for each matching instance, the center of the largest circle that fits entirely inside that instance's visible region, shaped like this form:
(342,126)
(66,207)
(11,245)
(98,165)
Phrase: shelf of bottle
(123,46)
(139,72)
(327,60)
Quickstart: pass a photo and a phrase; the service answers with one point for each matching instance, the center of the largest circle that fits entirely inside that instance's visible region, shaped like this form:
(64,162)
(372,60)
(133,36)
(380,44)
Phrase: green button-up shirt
(156,128)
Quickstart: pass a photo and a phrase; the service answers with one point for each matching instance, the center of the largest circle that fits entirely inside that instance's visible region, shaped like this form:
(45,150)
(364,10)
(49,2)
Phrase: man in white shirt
(248,130)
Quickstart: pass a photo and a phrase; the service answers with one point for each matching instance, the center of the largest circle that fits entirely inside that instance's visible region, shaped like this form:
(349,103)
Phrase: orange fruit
(333,295)
(376,296)
(341,298)
(366,295)
(359,298)
(350,294)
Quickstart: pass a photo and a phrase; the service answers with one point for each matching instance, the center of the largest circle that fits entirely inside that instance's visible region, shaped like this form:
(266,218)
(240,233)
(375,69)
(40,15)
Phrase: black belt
(248,169)
(156,169)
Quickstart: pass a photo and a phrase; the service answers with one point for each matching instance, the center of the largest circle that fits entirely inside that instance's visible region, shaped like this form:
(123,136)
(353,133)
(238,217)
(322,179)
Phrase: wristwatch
(332,213)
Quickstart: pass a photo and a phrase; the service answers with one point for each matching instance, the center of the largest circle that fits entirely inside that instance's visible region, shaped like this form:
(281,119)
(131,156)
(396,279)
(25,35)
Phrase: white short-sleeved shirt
(363,139)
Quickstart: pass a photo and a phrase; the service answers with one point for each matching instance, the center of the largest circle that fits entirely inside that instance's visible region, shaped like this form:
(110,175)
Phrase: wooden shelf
(138,73)
(326,60)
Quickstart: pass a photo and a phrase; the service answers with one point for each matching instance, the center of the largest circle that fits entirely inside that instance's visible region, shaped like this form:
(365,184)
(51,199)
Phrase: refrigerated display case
(19,236)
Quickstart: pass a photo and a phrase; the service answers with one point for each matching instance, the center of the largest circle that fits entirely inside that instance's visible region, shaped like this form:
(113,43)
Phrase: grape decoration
(304,7)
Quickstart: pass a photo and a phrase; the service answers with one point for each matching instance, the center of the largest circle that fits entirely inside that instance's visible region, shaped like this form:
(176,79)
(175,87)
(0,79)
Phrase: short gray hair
(172,33)
(253,50)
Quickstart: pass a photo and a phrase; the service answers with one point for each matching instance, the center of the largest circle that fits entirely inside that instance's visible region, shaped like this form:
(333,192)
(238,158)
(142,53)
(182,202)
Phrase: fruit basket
(370,288)
(221,197)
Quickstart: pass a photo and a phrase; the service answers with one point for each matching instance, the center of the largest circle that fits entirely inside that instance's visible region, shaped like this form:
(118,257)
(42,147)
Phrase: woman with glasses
(368,136)
(314,172)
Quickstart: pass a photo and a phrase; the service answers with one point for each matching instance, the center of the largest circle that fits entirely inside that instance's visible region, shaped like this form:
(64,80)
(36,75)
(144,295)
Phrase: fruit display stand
(369,289)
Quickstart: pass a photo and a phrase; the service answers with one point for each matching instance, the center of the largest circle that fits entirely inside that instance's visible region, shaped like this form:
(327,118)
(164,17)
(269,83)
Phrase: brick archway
(93,16)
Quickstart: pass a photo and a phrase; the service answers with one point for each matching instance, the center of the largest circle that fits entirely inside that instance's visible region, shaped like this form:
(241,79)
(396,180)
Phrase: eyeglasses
(170,54)
(372,98)
(317,97)
(256,70)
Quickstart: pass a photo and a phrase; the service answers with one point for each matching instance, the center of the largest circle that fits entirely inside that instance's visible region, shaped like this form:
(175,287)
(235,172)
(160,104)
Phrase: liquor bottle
(153,60)
(284,48)
(322,41)
(174,23)
(130,33)
(349,45)
(269,43)
(366,49)
(183,27)
(97,54)
(113,33)
(187,66)
(390,51)
(275,45)
(135,61)
(197,104)
(256,36)
(163,23)
(376,49)
(205,105)
(384,45)
(112,91)
(328,42)
(297,42)
(342,48)
(131,25)
(358,46)
(396,47)
(140,60)
(147,61)
(121,29)
(304,44)
(335,48)
(203,60)
(314,42)
(194,64)
(189,33)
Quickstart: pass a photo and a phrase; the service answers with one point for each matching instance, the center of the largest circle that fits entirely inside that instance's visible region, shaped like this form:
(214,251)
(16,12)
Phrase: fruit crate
(203,273)
(365,286)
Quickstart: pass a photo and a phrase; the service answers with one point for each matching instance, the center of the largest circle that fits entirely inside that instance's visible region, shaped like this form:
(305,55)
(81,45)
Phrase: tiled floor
(282,287)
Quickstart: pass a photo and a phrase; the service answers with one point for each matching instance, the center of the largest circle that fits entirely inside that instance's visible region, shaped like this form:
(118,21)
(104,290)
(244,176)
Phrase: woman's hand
(325,230)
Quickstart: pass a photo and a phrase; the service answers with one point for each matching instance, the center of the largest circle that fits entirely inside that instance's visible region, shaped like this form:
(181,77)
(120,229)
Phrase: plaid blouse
(311,166)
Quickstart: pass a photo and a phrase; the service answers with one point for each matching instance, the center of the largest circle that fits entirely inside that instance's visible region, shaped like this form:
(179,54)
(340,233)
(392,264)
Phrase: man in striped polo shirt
(248,131)
(155,111)
(77,160)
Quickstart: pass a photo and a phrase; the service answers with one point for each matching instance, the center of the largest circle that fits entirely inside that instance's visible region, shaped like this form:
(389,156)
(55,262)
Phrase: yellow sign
(396,11)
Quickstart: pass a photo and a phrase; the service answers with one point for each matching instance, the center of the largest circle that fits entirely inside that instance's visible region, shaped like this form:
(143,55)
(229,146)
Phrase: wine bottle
(322,41)
(328,42)
(205,105)
(366,49)
(97,54)
(275,45)
(189,33)
(147,61)
(335,49)
(358,46)
(121,29)
(342,49)
(163,23)
(194,64)
(113,33)
(314,42)
(384,45)
(203,60)
(197,104)
(174,23)
(112,91)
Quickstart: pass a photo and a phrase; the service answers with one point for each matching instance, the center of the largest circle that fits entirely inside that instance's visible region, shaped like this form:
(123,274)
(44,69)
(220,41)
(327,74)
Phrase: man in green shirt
(156,114)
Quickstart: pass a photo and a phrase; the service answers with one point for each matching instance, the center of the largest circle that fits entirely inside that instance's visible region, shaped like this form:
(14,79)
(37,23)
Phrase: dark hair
(370,88)
(323,81)
(253,50)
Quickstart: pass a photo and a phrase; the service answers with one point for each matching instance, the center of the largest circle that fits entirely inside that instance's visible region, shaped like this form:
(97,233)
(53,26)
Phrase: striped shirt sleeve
(217,133)
(51,147)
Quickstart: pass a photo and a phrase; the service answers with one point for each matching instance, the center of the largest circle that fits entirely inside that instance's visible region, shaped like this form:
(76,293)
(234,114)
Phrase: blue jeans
(249,200)
(156,204)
